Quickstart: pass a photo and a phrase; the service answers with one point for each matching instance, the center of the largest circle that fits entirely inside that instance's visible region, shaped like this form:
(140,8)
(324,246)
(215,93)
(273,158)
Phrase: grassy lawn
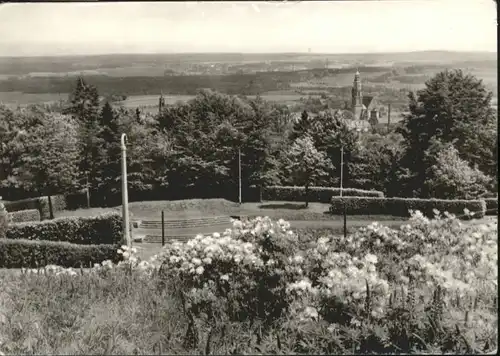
(198,208)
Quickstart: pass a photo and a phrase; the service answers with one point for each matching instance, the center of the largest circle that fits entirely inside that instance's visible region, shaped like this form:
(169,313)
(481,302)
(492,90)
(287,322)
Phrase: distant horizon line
(243,53)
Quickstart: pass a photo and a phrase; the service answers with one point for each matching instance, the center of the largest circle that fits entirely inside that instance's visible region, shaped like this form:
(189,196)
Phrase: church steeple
(357,96)
(161,103)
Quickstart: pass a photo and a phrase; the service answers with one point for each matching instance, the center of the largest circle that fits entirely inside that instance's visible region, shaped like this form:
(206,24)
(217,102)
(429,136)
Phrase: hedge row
(316,194)
(95,230)
(401,206)
(32,254)
(491,206)
(40,203)
(24,216)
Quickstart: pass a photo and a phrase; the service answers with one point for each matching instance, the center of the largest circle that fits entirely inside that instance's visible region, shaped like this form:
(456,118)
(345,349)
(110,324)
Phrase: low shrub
(24,216)
(39,203)
(402,206)
(93,230)
(491,206)
(32,254)
(3,221)
(316,194)
(25,204)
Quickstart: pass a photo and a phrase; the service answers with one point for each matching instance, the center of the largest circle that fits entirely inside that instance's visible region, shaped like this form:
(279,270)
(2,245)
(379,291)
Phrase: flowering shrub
(424,266)
(429,285)
(245,271)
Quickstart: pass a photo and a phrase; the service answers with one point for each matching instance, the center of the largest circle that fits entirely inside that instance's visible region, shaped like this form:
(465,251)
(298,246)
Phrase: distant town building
(161,104)
(364,108)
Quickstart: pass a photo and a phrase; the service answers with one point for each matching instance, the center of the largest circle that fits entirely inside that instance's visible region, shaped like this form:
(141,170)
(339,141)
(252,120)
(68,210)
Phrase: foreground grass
(130,314)
(88,315)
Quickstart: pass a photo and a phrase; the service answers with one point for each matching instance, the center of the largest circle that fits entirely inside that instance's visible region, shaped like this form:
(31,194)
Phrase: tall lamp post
(126,224)
(342,181)
(239,175)
(341,168)
(342,161)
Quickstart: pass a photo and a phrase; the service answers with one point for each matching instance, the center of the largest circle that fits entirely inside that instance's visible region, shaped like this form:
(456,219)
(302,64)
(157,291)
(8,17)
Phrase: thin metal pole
(239,175)
(126,224)
(162,228)
(341,187)
(87,194)
(389,116)
(341,168)
(345,220)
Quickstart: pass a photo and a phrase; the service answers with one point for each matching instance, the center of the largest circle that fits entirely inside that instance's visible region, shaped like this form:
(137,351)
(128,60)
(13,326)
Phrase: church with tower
(363,107)
(161,103)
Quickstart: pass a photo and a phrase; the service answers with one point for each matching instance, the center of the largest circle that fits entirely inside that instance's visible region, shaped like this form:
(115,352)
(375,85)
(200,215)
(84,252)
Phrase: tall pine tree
(85,109)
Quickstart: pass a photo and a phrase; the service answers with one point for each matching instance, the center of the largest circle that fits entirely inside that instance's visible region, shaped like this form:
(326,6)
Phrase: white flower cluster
(51,270)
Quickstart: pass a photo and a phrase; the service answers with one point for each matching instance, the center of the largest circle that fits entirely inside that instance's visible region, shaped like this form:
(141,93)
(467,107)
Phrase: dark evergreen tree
(302,127)
(85,109)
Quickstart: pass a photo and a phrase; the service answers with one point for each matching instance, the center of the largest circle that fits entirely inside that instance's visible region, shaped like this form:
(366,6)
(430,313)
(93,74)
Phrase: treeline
(246,84)
(445,148)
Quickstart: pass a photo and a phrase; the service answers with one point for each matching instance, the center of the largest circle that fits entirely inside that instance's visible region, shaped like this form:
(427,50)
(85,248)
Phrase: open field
(67,64)
(13,99)
(152,100)
(337,80)
(135,101)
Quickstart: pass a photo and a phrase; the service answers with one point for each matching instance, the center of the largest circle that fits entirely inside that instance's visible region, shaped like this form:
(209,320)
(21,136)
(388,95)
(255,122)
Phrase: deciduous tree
(454,107)
(47,159)
(307,164)
(451,177)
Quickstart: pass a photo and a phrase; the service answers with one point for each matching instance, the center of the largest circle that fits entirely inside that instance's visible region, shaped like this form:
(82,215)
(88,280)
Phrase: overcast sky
(333,27)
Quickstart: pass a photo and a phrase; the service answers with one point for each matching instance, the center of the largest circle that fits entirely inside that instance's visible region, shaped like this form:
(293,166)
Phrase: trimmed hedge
(491,206)
(33,254)
(40,203)
(4,221)
(24,216)
(316,194)
(58,202)
(401,206)
(93,230)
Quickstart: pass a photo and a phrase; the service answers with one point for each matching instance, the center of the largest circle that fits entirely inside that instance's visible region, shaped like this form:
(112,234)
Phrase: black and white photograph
(249,177)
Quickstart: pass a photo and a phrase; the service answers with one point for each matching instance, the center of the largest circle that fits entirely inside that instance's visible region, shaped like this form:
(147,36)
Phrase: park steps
(187,223)
(154,238)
